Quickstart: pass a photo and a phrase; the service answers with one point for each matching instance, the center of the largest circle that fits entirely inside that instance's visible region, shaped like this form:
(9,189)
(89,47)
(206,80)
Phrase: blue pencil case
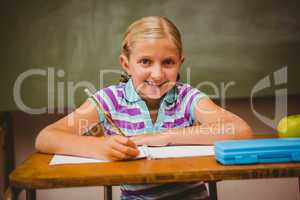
(271,150)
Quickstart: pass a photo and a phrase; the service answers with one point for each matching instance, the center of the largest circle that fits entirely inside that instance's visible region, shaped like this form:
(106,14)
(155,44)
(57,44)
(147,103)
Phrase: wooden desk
(35,172)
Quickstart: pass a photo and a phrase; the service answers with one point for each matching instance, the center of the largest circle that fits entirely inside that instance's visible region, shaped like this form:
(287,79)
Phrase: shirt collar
(170,96)
(131,95)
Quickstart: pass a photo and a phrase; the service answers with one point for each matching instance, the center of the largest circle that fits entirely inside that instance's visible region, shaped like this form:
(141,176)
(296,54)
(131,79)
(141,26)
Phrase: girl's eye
(145,61)
(169,62)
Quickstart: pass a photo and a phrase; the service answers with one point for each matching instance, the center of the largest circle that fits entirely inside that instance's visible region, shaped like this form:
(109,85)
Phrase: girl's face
(153,65)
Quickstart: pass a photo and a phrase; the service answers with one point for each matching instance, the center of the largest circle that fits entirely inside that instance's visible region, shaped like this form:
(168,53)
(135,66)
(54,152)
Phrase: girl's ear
(124,62)
(182,59)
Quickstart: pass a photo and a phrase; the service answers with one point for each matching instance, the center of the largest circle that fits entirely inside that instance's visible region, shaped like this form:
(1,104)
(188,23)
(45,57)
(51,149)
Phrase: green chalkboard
(227,44)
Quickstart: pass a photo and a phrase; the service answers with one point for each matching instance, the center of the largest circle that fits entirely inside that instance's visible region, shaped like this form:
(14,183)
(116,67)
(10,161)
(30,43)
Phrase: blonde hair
(150,27)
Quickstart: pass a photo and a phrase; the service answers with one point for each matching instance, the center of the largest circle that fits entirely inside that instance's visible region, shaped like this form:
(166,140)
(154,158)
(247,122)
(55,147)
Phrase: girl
(151,106)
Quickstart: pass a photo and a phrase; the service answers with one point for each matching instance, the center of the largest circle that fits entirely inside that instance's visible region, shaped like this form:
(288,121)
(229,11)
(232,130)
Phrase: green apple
(289,126)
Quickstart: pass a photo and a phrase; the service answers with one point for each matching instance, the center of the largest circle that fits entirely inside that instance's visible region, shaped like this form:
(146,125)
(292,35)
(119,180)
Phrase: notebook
(145,152)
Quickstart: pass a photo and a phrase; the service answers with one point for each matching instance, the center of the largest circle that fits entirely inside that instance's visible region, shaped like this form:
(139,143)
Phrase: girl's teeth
(153,84)
(149,83)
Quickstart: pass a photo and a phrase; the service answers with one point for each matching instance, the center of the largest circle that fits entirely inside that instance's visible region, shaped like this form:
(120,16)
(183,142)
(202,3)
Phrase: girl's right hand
(115,148)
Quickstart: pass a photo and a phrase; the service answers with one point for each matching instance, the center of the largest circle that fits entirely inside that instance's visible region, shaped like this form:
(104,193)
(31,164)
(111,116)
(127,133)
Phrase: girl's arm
(215,124)
(65,137)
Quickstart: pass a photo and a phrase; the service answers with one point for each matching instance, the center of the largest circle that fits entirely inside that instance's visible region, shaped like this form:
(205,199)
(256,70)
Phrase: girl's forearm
(208,133)
(57,141)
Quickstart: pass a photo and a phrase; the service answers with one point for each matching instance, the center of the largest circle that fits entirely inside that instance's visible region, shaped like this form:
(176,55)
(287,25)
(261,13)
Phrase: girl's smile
(150,83)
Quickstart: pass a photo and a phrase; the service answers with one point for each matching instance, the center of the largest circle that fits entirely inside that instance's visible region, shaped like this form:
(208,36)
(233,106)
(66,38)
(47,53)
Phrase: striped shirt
(129,111)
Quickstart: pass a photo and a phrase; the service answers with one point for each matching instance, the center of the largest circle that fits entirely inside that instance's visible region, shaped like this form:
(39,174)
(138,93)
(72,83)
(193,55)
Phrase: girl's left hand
(151,139)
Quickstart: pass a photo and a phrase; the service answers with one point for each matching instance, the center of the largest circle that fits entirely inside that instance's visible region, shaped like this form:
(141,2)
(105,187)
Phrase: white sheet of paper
(64,159)
(156,153)
(181,151)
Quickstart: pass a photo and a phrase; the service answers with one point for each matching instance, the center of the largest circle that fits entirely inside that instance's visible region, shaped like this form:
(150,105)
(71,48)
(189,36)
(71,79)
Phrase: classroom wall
(236,41)
(27,126)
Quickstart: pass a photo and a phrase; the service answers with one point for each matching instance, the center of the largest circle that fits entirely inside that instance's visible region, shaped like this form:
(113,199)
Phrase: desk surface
(36,173)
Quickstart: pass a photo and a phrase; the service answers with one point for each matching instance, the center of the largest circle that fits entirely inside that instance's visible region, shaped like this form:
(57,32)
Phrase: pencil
(106,115)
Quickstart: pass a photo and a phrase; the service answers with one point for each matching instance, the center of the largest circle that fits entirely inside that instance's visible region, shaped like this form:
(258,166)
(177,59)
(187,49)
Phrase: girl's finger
(131,143)
(125,141)
(113,158)
(119,155)
(129,151)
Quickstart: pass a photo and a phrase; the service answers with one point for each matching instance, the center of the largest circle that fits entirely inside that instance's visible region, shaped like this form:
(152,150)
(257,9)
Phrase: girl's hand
(151,139)
(116,148)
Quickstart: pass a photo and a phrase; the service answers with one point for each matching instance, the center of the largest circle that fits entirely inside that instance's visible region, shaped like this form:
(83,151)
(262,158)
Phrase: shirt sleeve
(99,112)
(194,98)
(102,100)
